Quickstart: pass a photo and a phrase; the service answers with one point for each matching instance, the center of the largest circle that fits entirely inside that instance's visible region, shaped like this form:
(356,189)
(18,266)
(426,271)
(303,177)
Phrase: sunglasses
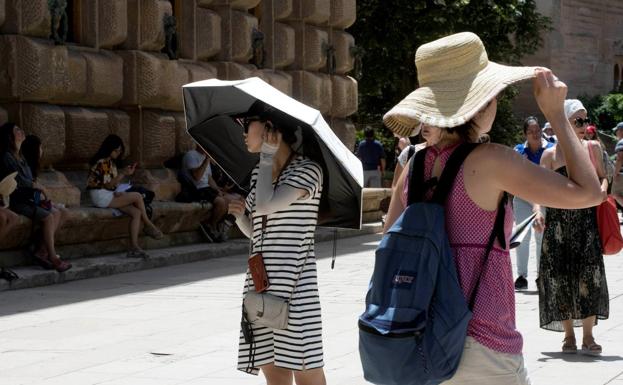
(246,122)
(579,122)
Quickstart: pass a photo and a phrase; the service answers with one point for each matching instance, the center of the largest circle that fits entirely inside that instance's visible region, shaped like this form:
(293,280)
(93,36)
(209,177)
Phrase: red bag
(608,221)
(609,229)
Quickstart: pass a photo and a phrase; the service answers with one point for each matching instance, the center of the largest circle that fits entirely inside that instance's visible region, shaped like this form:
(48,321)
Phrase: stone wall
(585,47)
(113,77)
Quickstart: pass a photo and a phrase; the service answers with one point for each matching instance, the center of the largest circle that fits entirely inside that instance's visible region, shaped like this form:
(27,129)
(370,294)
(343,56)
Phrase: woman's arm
(396,206)
(267,199)
(397,172)
(536,184)
(598,161)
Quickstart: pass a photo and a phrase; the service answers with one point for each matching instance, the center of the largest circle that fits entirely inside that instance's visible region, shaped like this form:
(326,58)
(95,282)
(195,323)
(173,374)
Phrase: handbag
(609,228)
(148,198)
(608,224)
(268,310)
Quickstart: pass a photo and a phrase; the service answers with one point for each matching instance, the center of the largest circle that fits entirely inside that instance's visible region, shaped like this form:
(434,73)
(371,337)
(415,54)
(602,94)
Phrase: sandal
(8,274)
(137,253)
(153,232)
(43,262)
(591,349)
(569,346)
(59,265)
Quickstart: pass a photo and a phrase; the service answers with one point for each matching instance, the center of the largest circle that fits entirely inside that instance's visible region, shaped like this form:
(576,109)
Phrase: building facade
(584,48)
(74,71)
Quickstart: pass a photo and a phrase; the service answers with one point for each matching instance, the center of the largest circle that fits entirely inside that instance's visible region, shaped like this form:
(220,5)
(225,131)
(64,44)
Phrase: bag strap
(417,187)
(411,151)
(450,170)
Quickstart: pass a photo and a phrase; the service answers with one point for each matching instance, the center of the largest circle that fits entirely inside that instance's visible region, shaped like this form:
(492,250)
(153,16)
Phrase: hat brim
(452,103)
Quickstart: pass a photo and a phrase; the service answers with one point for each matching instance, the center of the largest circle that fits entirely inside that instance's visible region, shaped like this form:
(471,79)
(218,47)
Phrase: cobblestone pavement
(179,325)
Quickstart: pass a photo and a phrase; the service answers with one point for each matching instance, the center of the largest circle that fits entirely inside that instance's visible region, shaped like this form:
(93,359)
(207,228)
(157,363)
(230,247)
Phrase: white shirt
(193,160)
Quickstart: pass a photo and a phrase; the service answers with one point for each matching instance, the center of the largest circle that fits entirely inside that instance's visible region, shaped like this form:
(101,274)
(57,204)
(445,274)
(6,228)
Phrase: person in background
(32,151)
(30,198)
(430,134)
(102,182)
(591,133)
(402,143)
(372,156)
(532,149)
(573,290)
(548,133)
(617,181)
(198,185)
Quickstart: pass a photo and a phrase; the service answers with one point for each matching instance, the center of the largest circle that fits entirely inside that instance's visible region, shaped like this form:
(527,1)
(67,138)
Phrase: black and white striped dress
(286,242)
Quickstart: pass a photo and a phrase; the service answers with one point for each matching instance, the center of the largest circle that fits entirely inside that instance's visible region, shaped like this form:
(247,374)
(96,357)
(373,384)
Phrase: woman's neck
(281,158)
(448,140)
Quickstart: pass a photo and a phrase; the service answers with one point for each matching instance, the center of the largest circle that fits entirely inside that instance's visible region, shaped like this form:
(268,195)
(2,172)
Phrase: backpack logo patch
(403,279)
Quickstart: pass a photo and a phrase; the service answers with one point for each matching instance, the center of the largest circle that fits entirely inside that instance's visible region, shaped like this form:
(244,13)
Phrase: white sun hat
(456,80)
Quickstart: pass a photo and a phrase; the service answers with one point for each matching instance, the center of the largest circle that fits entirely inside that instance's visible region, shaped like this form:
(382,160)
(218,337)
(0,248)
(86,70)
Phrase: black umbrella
(520,231)
(211,107)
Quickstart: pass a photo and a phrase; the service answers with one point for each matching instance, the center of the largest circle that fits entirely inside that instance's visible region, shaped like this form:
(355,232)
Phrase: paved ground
(179,325)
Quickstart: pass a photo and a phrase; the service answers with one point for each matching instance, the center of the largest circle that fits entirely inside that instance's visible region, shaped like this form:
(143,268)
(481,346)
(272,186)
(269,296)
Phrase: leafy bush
(389,32)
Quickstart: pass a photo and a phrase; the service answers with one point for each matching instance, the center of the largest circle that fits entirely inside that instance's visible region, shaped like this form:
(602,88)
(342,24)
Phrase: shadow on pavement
(32,299)
(577,357)
(527,292)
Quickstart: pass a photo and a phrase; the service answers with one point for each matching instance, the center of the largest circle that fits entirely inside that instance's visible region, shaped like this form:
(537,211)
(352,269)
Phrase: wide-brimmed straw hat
(456,80)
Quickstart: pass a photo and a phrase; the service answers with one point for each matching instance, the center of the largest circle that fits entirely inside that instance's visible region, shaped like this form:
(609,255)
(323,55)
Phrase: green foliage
(388,33)
(505,128)
(605,110)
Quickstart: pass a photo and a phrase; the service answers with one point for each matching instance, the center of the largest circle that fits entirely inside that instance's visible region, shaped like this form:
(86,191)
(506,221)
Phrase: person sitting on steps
(198,185)
(103,180)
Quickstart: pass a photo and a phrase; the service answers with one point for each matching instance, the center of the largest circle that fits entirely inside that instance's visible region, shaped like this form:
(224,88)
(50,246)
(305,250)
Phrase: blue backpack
(415,323)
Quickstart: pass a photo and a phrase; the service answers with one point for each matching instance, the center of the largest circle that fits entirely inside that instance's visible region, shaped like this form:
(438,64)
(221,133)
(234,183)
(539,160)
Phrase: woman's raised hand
(549,92)
(271,139)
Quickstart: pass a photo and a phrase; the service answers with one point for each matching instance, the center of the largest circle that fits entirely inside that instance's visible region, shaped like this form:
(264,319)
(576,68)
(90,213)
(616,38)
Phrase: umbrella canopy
(210,107)
(520,231)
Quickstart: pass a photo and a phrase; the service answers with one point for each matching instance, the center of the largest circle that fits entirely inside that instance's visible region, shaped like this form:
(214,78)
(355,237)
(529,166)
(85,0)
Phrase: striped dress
(288,238)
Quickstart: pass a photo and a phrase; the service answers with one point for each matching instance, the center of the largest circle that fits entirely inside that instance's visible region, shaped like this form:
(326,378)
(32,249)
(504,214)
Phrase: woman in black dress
(572,283)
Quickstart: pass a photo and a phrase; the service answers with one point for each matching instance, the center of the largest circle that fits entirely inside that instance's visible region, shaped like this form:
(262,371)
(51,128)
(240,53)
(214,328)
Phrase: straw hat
(456,81)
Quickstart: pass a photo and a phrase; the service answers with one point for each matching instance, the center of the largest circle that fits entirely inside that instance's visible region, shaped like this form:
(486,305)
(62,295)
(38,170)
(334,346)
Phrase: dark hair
(288,126)
(465,131)
(7,138)
(528,121)
(110,144)
(369,133)
(31,152)
(276,119)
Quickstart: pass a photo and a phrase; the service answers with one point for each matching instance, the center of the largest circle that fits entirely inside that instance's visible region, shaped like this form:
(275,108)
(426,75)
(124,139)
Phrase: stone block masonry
(74,75)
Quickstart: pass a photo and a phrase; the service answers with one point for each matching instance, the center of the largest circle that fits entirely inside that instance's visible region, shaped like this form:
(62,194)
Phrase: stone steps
(103,265)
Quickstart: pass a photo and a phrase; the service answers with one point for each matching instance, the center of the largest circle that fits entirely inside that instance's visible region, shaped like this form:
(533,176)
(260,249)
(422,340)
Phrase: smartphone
(258,273)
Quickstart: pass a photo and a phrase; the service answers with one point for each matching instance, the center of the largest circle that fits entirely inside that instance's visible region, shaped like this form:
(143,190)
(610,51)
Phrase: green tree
(388,33)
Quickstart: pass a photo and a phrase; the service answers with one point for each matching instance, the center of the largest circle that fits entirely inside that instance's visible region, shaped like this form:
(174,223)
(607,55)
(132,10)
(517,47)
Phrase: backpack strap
(450,170)
(417,188)
(411,151)
(446,181)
